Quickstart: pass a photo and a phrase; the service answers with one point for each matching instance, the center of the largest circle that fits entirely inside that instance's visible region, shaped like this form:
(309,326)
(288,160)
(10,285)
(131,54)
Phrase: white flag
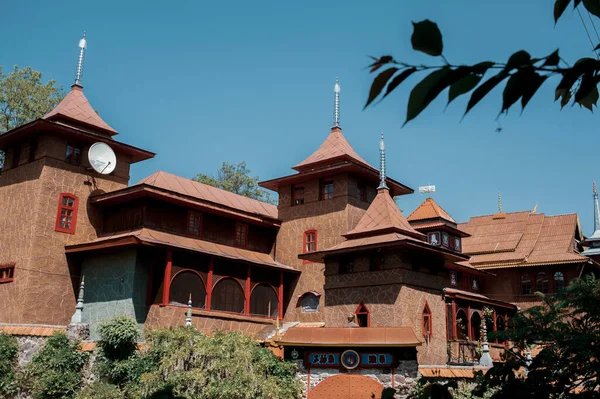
(427,189)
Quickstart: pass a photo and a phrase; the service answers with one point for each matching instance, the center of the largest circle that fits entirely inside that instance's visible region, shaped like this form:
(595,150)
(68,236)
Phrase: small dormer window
(456,244)
(73,154)
(475,283)
(297,195)
(453,279)
(327,190)
(445,239)
(434,238)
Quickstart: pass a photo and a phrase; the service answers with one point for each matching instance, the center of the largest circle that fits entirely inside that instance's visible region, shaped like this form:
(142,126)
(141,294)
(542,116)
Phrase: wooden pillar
(280,296)
(247,292)
(167,277)
(209,283)
(454,335)
(469,323)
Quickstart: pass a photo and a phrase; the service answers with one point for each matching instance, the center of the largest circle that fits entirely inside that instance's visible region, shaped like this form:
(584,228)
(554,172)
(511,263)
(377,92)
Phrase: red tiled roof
(32,331)
(155,237)
(181,185)
(382,216)
(75,106)
(429,209)
(521,239)
(342,336)
(335,146)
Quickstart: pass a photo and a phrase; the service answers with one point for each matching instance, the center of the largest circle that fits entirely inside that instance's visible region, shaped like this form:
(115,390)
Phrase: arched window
(559,281)
(475,326)
(263,301)
(461,324)
(310,302)
(525,284)
(228,296)
(363,317)
(541,283)
(427,323)
(185,283)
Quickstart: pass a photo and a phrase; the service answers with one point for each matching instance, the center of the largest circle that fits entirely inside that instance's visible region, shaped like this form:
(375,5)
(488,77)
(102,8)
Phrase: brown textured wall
(42,291)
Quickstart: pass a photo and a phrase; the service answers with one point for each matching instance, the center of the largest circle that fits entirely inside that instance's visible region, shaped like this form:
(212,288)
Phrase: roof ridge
(438,212)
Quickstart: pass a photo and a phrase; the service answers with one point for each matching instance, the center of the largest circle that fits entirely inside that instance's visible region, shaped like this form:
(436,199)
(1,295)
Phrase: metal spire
(188,315)
(336,104)
(596,213)
(82,48)
(382,183)
(499,203)
(78,315)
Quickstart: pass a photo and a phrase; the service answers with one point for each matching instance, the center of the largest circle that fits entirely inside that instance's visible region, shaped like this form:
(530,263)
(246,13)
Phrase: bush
(8,365)
(56,369)
(100,390)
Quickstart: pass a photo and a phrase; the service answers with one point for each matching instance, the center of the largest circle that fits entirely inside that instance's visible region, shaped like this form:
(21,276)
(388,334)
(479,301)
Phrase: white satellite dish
(102,158)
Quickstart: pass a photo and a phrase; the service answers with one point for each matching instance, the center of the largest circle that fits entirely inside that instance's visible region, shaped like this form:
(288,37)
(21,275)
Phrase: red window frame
(241,235)
(194,224)
(427,321)
(363,310)
(307,241)
(74,156)
(73,208)
(361,191)
(7,273)
(327,190)
(297,199)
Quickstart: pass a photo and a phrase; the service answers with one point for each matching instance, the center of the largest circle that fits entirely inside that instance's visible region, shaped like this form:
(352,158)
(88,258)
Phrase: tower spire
(382,183)
(82,48)
(336,104)
(596,212)
(499,203)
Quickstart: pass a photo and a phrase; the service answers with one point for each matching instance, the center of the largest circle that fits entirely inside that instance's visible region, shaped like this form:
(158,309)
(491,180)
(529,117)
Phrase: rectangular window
(297,195)
(7,273)
(376,262)
(194,224)
(241,235)
(453,278)
(66,218)
(310,241)
(361,192)
(475,283)
(327,190)
(73,154)
(346,265)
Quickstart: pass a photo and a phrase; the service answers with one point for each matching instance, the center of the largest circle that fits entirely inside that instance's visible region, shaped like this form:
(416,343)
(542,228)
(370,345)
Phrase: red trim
(187,270)
(275,290)
(7,272)
(67,208)
(427,329)
(187,230)
(469,332)
(209,284)
(453,319)
(240,227)
(167,277)
(247,293)
(280,296)
(304,241)
(362,309)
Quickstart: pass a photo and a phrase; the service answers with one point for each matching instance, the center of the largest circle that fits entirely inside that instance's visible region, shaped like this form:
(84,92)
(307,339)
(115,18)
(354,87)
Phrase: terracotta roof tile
(77,107)
(360,337)
(334,146)
(32,331)
(448,372)
(191,188)
(429,209)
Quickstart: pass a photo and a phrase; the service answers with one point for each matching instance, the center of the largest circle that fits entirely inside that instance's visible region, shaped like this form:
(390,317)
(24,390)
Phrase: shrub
(56,369)
(100,390)
(8,365)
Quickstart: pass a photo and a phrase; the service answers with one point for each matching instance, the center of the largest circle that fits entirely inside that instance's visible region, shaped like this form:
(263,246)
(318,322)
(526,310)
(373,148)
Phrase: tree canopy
(524,74)
(236,178)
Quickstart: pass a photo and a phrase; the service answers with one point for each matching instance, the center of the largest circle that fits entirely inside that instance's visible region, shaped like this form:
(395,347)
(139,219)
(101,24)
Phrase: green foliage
(449,390)
(193,365)
(100,390)
(8,365)
(524,75)
(237,179)
(56,369)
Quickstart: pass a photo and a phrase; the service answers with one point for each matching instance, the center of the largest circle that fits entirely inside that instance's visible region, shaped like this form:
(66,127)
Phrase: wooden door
(347,386)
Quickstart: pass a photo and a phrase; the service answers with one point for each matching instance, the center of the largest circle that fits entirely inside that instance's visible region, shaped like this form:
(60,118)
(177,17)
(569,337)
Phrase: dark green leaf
(379,62)
(552,60)
(453,76)
(513,90)
(532,84)
(517,60)
(592,6)
(597,48)
(388,393)
(559,8)
(427,38)
(571,75)
(379,83)
(585,87)
(417,101)
(464,85)
(591,99)
(564,95)
(401,77)
(484,89)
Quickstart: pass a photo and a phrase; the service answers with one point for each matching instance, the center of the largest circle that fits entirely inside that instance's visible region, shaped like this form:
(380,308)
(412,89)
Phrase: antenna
(382,183)
(82,48)
(499,203)
(336,104)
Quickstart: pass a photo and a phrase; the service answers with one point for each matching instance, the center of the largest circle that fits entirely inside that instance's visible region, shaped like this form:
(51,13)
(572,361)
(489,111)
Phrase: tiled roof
(77,107)
(448,372)
(155,237)
(429,209)
(334,146)
(521,239)
(360,337)
(382,216)
(32,331)
(191,188)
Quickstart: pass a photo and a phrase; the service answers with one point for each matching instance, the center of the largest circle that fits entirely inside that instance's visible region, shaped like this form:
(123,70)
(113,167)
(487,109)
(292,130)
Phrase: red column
(247,292)
(454,335)
(469,322)
(209,283)
(280,296)
(167,278)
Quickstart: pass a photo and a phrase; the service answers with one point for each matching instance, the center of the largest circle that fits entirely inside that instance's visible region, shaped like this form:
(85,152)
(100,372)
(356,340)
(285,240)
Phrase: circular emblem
(295,354)
(350,359)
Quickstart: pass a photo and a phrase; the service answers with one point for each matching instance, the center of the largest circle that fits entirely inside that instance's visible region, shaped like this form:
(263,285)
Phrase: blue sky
(200,83)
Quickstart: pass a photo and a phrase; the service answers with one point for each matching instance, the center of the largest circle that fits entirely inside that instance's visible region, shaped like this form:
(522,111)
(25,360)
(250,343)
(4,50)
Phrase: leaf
(418,99)
(592,6)
(399,79)
(379,62)
(517,60)
(532,84)
(484,89)
(513,90)
(591,99)
(482,67)
(379,83)
(552,60)
(597,48)
(427,38)
(463,86)
(559,8)
(585,88)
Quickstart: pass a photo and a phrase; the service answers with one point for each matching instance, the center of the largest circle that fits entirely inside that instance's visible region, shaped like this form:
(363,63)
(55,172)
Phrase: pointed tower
(48,178)
(593,242)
